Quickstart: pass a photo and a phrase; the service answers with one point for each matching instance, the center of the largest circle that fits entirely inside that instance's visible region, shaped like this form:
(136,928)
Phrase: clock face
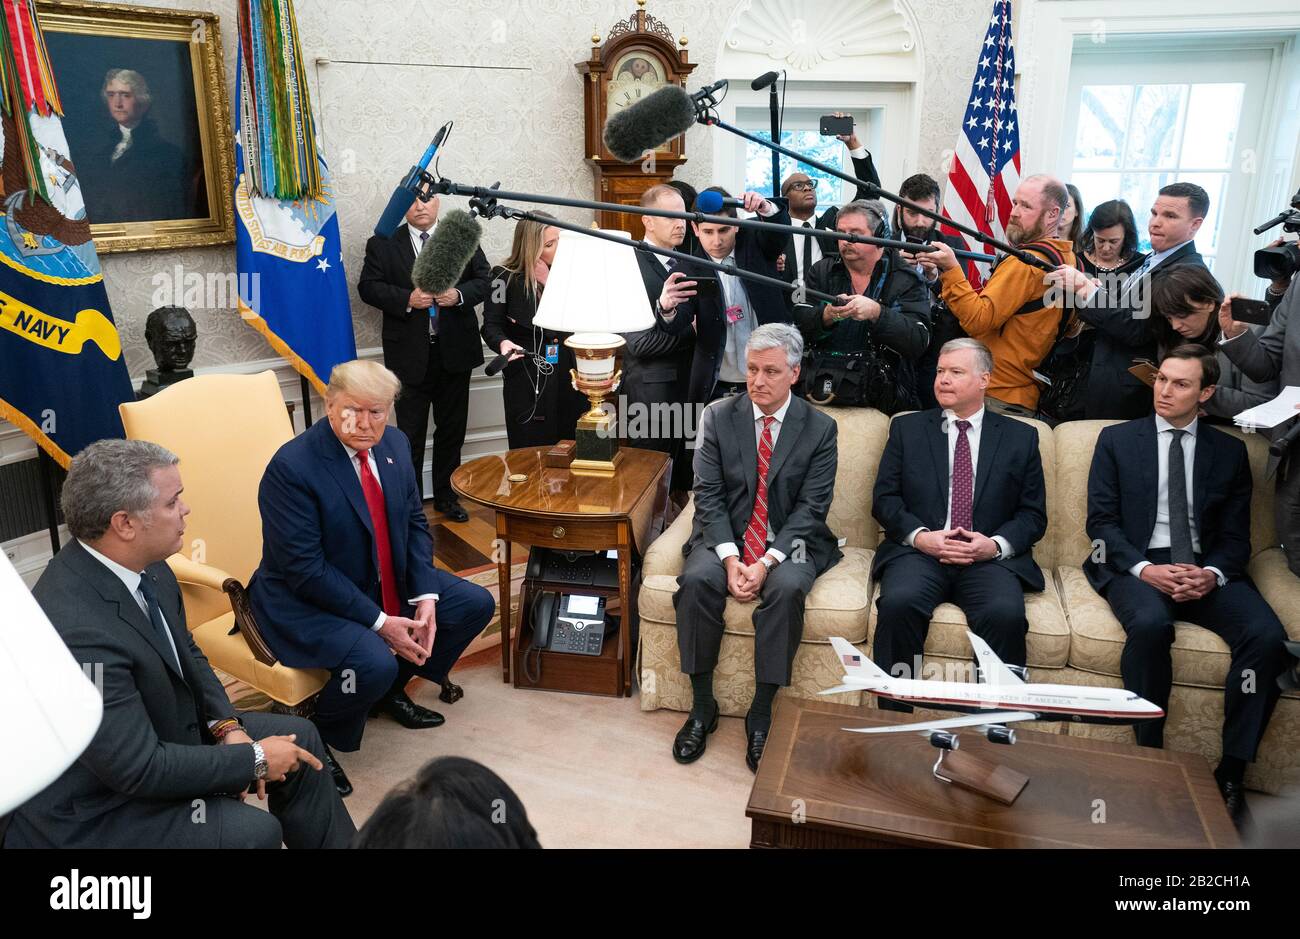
(635,76)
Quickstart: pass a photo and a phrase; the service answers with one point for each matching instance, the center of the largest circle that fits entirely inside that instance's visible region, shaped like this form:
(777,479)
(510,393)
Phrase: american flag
(986,165)
(851,660)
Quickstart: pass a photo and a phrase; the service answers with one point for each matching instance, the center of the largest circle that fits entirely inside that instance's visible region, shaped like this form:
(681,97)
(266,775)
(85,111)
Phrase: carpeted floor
(592,772)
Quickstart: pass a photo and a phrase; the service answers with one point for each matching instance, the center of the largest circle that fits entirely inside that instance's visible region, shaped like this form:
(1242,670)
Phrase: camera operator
(1274,354)
(1280,272)
(862,351)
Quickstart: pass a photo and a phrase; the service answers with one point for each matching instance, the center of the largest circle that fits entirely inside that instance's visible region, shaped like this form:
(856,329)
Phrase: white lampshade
(51,708)
(594,286)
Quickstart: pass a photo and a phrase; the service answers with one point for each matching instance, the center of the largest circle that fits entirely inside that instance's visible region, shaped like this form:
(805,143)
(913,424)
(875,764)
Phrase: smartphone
(705,286)
(833,126)
(1144,370)
(1255,312)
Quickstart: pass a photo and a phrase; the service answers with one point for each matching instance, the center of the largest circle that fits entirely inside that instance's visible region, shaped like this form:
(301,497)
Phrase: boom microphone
(445,256)
(711,203)
(649,124)
(762,81)
(403,197)
(496,365)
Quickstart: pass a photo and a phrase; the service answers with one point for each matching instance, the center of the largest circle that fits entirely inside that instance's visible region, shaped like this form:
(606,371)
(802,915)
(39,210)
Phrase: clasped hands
(744,582)
(412,639)
(956,546)
(858,307)
(1182,582)
(422,299)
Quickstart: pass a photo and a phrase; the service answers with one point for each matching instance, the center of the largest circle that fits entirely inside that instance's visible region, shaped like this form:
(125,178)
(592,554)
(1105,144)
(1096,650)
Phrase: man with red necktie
(347,580)
(765,465)
(961,499)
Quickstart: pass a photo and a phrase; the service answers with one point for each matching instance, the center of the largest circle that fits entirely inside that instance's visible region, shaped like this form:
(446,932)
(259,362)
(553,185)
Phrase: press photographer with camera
(1279,262)
(862,352)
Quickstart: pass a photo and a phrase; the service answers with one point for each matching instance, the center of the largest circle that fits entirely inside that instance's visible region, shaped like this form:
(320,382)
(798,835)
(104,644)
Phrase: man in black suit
(656,362)
(764,476)
(431,343)
(1121,311)
(724,317)
(800,192)
(1169,512)
(172,761)
(961,499)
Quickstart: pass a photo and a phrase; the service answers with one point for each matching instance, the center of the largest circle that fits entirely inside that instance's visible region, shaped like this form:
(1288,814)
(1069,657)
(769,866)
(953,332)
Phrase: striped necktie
(756,533)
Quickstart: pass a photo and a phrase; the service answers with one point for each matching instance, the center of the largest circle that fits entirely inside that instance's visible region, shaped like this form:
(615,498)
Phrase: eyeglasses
(802,187)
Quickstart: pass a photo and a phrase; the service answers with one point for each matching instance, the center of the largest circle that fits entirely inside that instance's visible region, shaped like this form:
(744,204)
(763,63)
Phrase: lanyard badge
(735,314)
(553,353)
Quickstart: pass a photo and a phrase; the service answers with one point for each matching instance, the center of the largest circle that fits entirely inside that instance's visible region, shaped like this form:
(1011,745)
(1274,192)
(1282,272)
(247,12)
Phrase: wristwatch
(259,761)
(768,561)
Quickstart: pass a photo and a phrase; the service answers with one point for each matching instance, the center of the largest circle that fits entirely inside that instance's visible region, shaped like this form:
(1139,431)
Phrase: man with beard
(1009,314)
(922,190)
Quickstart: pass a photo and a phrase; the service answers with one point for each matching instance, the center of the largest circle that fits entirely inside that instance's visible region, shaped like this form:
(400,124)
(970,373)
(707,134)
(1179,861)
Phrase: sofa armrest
(664,556)
(192,572)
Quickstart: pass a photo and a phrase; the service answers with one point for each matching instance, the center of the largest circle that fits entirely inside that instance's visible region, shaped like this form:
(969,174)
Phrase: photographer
(1281,271)
(862,351)
(1274,354)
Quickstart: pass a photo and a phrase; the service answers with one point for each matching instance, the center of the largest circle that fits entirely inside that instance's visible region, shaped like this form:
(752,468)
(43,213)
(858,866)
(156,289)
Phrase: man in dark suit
(1121,311)
(800,192)
(723,318)
(430,342)
(172,761)
(961,499)
(656,362)
(1169,512)
(764,475)
(347,579)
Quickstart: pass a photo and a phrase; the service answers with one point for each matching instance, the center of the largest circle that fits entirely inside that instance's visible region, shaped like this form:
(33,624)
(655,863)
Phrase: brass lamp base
(596,451)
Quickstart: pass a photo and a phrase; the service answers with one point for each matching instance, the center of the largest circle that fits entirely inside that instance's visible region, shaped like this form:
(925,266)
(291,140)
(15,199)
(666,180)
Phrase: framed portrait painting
(147,123)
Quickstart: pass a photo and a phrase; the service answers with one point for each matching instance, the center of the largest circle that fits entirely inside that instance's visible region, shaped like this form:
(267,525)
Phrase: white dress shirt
(811,226)
(728,549)
(1160,534)
(973,434)
(374,471)
(131,579)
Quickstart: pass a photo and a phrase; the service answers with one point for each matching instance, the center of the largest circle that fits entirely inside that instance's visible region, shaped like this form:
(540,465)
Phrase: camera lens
(1279,263)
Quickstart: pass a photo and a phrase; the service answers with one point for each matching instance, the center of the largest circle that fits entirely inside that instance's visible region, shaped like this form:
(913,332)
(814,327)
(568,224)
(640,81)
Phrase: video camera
(1283,261)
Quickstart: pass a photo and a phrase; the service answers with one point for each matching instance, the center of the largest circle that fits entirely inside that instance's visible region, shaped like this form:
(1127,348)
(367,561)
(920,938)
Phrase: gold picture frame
(188,165)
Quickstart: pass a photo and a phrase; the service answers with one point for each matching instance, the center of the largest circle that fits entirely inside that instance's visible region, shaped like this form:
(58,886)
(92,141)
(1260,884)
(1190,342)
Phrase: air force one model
(1002,694)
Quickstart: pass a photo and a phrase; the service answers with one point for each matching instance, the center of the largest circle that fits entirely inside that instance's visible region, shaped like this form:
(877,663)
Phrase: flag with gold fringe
(62,374)
(293,289)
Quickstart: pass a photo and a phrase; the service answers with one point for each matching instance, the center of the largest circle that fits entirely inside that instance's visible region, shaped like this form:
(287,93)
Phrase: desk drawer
(564,533)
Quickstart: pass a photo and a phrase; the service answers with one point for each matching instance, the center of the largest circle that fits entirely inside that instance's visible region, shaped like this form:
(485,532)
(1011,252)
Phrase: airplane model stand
(997,782)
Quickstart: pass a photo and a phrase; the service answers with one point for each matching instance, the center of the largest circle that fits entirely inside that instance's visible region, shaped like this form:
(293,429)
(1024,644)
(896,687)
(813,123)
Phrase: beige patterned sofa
(1073,638)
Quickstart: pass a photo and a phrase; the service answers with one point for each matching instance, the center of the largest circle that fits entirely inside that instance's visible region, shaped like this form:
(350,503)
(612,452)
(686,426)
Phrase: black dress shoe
(451,693)
(341,781)
(1234,797)
(409,714)
(453,510)
(688,745)
(754,749)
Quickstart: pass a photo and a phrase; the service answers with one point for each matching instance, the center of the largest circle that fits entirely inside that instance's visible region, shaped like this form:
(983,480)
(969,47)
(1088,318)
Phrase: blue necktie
(156,617)
(433,310)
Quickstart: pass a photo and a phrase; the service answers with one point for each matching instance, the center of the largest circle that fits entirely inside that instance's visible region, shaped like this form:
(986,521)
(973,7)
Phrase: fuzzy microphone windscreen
(649,124)
(447,253)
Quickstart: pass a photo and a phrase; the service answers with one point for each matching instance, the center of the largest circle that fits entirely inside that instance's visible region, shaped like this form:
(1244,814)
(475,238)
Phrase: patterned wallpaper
(503,70)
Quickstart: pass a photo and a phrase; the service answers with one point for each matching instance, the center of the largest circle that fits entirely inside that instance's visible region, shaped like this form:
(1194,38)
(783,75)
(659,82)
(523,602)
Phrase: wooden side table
(553,508)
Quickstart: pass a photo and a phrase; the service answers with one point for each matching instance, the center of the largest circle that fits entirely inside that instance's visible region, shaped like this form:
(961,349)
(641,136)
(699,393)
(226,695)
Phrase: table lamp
(594,291)
(51,708)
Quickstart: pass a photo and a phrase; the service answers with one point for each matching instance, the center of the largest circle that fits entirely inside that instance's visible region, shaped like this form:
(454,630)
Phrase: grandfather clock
(638,58)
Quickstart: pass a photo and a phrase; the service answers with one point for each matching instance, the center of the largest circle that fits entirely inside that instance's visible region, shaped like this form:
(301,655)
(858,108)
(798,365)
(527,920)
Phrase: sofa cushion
(1200,658)
(836,606)
(1046,646)
(1278,586)
(861,434)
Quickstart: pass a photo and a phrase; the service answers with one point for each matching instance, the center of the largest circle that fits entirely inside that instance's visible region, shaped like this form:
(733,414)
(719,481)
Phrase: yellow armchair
(225,429)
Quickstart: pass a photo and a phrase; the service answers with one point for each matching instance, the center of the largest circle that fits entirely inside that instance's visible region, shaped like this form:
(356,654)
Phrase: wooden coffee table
(819,786)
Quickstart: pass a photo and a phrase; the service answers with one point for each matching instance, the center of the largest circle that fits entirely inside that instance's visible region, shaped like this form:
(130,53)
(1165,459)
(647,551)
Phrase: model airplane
(1002,695)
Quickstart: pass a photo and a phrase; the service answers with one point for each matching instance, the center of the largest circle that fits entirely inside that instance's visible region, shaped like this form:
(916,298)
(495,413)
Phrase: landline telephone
(565,622)
(581,568)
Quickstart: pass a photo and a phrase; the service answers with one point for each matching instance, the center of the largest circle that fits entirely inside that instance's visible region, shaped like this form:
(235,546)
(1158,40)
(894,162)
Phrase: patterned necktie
(963,479)
(383,547)
(156,617)
(1180,521)
(670,263)
(756,533)
(1137,275)
(807,253)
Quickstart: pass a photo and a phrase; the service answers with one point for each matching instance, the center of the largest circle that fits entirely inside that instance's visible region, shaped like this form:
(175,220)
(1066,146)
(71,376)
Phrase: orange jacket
(1018,343)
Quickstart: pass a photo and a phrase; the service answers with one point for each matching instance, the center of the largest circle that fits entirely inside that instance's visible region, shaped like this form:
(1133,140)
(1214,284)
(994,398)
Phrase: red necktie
(379,521)
(963,478)
(756,533)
